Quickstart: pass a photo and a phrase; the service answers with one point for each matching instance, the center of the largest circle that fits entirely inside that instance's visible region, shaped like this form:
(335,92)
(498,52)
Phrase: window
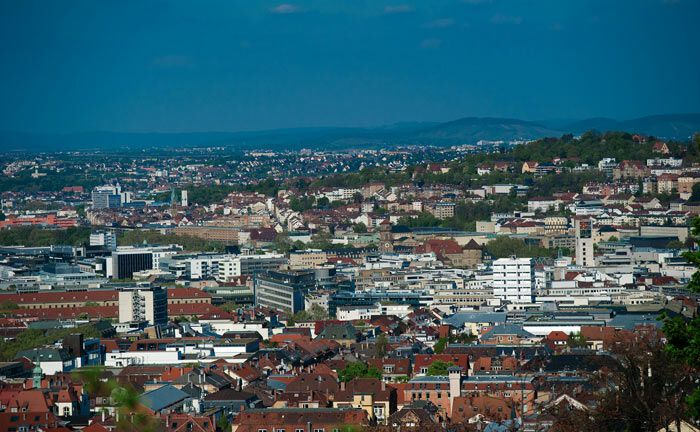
(319,430)
(298,430)
(262,430)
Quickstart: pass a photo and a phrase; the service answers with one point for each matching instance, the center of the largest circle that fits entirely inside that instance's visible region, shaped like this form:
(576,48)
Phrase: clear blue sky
(230,65)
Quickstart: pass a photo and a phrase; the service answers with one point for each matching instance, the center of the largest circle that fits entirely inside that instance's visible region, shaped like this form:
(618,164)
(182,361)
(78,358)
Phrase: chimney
(383,385)
(103,416)
(342,386)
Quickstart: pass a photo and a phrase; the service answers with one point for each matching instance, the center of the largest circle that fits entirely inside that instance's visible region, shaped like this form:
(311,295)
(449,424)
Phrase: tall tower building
(144,304)
(386,241)
(183,198)
(584,242)
(514,279)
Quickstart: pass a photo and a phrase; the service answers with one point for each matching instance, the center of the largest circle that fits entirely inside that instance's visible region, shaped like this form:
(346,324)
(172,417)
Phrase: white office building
(514,279)
(139,304)
(106,239)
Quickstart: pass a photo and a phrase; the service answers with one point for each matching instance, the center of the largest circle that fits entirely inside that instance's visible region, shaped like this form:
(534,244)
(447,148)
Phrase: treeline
(35,236)
(189,243)
(210,194)
(33,338)
(590,148)
(466,214)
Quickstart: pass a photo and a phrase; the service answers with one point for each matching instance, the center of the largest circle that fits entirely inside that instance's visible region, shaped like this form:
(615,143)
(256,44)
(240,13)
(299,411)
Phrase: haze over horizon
(221,66)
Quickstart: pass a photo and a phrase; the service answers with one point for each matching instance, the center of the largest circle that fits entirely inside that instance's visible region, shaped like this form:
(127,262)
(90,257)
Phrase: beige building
(686,182)
(369,394)
(223,234)
(556,225)
(307,259)
(442,210)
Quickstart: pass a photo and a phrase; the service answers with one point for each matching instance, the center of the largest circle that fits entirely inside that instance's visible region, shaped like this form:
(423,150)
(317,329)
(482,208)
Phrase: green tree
(675,244)
(33,338)
(359,228)
(8,306)
(683,335)
(381,345)
(576,340)
(440,345)
(358,370)
(439,368)
(695,196)
(503,247)
(223,424)
(322,202)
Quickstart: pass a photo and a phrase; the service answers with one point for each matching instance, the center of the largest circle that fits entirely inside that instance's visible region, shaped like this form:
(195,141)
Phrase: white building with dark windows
(138,304)
(514,279)
(283,290)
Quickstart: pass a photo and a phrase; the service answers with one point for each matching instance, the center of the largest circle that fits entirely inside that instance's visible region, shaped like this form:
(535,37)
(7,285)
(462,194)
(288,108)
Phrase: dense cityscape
(468,288)
(349,216)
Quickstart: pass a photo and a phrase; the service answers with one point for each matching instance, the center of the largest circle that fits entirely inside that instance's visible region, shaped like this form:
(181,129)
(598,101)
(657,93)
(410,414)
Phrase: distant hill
(669,126)
(468,130)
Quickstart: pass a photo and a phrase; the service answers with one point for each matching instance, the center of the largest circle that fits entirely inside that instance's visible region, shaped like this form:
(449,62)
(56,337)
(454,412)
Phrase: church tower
(386,241)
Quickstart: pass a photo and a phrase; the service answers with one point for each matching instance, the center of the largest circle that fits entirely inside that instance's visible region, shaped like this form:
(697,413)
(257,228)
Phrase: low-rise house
(165,400)
(370,394)
(393,369)
(507,334)
(468,409)
(298,419)
(230,401)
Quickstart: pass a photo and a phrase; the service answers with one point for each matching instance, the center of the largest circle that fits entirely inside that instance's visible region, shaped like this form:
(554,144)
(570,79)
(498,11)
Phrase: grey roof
(460,318)
(507,329)
(506,425)
(338,331)
(629,321)
(162,397)
(275,384)
(36,355)
(192,390)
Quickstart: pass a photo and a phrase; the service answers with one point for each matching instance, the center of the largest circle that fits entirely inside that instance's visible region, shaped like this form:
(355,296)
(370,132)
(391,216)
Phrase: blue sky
(176,66)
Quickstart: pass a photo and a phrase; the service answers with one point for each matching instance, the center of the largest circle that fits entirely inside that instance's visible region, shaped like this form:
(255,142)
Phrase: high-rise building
(584,242)
(108,196)
(148,304)
(514,279)
(183,198)
(283,290)
(106,239)
(124,263)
